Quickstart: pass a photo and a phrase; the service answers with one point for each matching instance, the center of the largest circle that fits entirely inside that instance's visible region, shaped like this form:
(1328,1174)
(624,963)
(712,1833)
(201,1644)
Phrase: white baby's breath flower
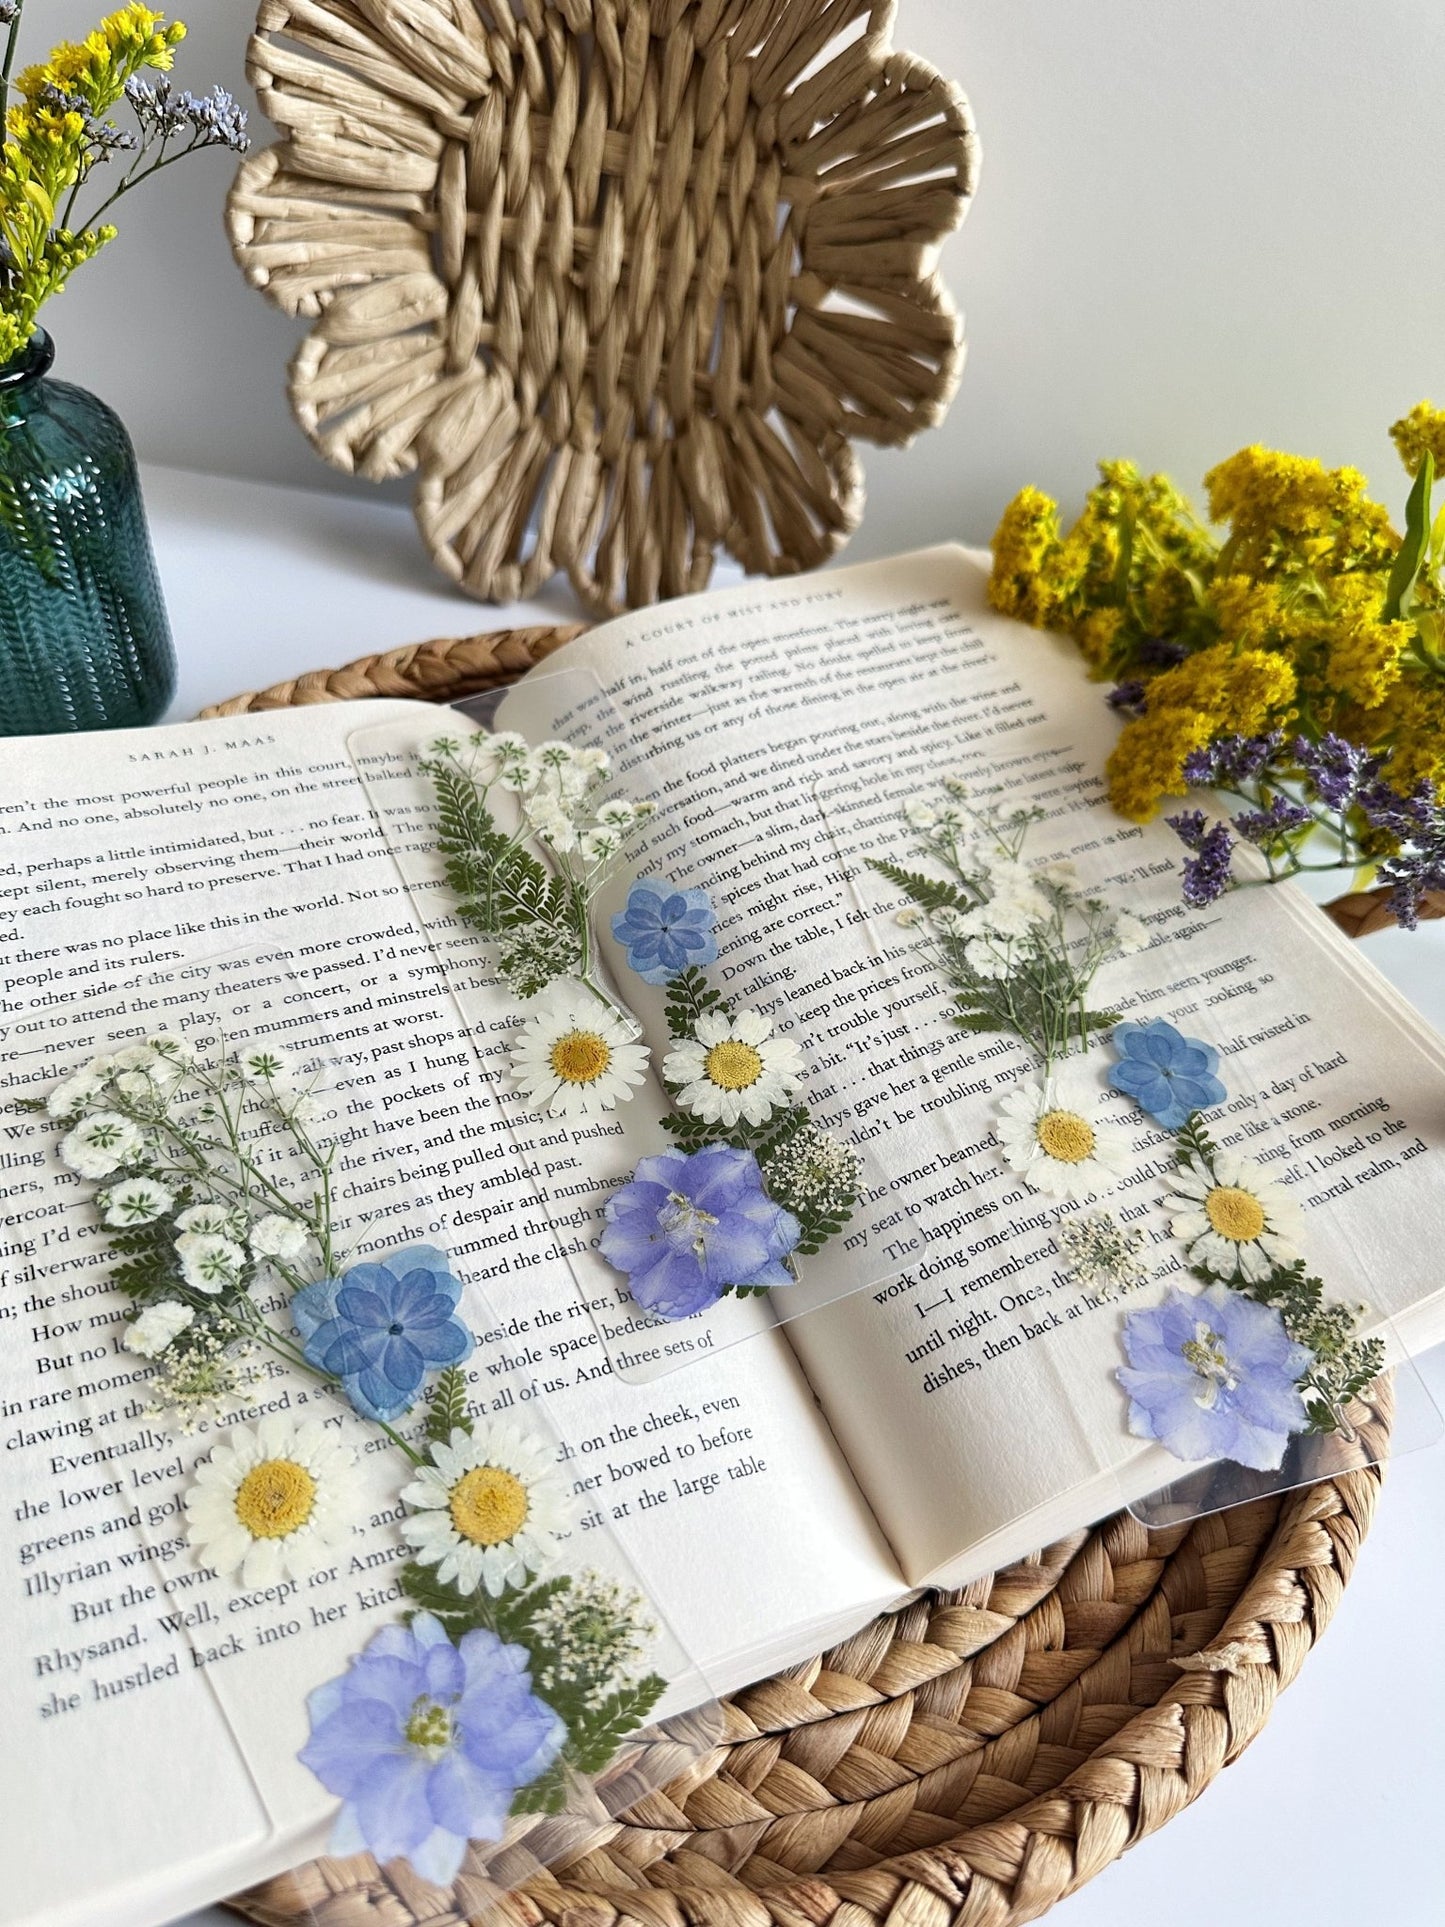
(137,1201)
(574,1055)
(74,1093)
(619,814)
(273,1502)
(298,1107)
(275,1236)
(490,1508)
(157,1326)
(265,1065)
(209,1263)
(909,917)
(134,1057)
(990,957)
(598,845)
(100,1144)
(212,1220)
(734,1068)
(1048,1128)
(920,815)
(593,762)
(1129,934)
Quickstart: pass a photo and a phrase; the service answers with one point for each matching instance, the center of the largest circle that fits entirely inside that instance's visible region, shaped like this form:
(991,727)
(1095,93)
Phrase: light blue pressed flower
(381,1327)
(666,931)
(1168,1075)
(1215,1375)
(427,1744)
(688,1228)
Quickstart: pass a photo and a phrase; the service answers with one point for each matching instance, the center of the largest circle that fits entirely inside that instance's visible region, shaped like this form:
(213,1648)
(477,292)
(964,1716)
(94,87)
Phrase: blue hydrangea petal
(363,1304)
(313,1305)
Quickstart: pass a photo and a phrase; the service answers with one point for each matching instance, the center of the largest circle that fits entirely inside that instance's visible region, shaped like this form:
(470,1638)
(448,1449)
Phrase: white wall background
(1198,225)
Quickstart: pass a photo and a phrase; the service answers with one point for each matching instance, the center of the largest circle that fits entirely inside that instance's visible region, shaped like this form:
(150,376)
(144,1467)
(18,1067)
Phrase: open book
(775,1493)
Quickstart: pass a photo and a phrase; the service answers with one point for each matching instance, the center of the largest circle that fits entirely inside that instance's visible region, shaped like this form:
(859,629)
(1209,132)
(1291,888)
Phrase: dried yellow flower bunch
(1296,664)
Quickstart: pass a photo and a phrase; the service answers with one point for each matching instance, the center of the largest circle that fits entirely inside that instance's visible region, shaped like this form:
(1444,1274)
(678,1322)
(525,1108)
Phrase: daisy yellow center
(733,1066)
(1234,1214)
(1066,1136)
(580,1057)
(275,1498)
(488,1505)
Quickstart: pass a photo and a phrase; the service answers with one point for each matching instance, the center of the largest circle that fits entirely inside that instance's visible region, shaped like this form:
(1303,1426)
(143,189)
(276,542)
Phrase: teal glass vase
(84,640)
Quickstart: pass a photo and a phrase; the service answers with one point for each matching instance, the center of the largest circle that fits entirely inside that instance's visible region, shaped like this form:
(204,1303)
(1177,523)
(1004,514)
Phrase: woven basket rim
(1170,1646)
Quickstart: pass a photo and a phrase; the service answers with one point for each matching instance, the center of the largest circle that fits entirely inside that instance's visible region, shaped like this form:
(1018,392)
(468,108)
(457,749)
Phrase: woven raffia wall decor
(964,1762)
(620,282)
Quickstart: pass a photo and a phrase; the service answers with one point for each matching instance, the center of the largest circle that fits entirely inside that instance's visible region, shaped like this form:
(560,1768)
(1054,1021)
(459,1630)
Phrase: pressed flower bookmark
(514,1668)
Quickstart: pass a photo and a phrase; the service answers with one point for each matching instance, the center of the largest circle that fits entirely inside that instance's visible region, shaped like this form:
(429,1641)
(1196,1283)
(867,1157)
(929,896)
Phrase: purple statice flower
(686,1229)
(1338,769)
(1160,652)
(1129,698)
(1263,827)
(1403,817)
(1168,1075)
(427,1743)
(1214,1375)
(381,1327)
(1230,760)
(1206,874)
(665,930)
(1412,875)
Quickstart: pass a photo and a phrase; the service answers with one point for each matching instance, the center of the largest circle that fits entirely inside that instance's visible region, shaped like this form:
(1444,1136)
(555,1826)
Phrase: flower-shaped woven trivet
(620,281)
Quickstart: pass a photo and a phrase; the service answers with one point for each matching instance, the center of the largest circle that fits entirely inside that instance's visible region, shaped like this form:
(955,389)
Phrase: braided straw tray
(963,1761)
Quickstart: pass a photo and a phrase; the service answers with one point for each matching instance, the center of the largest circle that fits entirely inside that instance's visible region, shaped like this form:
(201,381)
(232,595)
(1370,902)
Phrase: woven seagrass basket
(964,1761)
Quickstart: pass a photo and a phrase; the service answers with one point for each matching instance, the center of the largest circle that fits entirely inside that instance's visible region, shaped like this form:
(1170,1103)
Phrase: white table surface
(1337,1814)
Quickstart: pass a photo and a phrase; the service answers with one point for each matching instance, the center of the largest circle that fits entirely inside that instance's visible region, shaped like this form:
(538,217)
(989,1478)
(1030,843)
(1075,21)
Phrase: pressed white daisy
(75,1092)
(137,1201)
(275,1236)
(209,1263)
(1235,1219)
(1050,1134)
(272,1501)
(100,1144)
(157,1326)
(574,1055)
(490,1508)
(731,1069)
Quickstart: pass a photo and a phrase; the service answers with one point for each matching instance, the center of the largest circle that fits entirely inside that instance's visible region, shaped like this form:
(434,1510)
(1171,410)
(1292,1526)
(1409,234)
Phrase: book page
(152,850)
(788,725)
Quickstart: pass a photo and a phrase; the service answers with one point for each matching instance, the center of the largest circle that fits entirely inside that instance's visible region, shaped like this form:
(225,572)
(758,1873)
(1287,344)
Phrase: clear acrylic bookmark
(342,1528)
(742,1172)
(1148,1186)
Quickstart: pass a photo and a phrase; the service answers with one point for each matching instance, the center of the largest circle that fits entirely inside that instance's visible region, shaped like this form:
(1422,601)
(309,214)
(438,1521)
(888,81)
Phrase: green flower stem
(12,40)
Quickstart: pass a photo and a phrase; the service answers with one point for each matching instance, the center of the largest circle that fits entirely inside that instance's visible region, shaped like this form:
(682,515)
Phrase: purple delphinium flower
(1206,874)
(1129,698)
(666,931)
(1168,1075)
(688,1228)
(427,1743)
(381,1327)
(1214,1375)
(1338,769)
(1263,827)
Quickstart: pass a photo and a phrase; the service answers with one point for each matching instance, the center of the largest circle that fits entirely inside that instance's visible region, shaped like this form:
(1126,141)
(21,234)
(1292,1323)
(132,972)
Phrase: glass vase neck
(34,360)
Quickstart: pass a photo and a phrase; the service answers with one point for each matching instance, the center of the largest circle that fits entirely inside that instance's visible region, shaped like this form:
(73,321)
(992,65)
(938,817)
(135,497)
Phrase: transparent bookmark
(297,1298)
(1197,1309)
(745,1156)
